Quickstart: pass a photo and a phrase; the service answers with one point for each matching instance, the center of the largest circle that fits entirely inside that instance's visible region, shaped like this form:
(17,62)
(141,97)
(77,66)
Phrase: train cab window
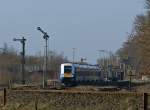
(67,69)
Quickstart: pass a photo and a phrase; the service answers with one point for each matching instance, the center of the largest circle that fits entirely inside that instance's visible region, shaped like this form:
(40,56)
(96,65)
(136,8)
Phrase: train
(72,73)
(76,73)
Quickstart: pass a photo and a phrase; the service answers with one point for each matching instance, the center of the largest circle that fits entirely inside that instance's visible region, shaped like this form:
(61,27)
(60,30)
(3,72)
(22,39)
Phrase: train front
(67,76)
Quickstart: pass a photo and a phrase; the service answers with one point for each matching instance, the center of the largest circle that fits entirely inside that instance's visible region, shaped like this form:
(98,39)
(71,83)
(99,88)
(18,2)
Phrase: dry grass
(86,98)
(72,101)
(1,93)
(143,88)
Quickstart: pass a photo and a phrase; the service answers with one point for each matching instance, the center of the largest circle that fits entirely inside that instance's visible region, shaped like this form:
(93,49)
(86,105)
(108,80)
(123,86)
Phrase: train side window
(75,70)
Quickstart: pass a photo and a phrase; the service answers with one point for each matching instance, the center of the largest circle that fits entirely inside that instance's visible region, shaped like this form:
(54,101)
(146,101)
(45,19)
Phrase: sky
(87,25)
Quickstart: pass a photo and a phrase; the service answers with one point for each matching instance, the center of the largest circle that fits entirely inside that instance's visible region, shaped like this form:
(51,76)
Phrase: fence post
(36,103)
(145,101)
(4,96)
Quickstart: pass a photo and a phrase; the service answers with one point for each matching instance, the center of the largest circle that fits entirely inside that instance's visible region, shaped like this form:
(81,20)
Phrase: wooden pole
(145,100)
(36,103)
(4,97)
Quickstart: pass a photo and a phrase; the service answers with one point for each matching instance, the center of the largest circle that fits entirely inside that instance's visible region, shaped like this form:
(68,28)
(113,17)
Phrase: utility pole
(45,37)
(130,74)
(22,41)
(111,58)
(102,61)
(73,55)
(130,80)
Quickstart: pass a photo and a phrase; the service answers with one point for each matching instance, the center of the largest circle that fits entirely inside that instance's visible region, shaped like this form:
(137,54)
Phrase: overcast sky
(88,25)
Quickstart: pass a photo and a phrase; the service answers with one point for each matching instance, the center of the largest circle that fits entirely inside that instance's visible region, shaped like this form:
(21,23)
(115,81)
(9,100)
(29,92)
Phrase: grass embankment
(21,100)
(1,93)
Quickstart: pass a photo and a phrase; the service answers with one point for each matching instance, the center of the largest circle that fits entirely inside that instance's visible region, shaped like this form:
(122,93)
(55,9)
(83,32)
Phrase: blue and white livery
(73,73)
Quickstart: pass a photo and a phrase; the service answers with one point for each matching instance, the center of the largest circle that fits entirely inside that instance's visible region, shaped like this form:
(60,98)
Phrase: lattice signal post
(45,37)
(22,41)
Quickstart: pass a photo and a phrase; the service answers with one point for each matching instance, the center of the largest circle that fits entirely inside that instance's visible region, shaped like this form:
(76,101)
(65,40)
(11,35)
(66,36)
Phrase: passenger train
(76,73)
(73,73)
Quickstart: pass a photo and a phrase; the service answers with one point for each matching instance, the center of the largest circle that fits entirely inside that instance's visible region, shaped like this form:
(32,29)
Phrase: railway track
(75,91)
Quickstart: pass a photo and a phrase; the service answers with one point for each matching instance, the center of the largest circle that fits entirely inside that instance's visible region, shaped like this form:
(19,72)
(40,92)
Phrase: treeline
(10,65)
(136,50)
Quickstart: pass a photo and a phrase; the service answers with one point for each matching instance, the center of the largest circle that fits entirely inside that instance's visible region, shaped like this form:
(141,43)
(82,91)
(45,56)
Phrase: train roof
(81,65)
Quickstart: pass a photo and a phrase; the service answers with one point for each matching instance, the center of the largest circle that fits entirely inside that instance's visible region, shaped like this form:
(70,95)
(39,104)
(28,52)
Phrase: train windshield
(67,69)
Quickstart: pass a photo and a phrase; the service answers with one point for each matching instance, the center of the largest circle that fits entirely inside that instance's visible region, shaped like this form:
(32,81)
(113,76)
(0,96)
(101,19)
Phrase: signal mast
(45,37)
